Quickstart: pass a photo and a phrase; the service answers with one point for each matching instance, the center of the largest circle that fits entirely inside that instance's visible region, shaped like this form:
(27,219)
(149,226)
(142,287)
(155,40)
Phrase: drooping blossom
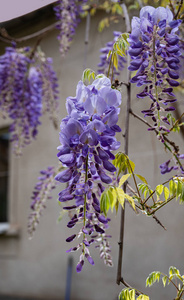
(103,66)
(155,53)
(41,193)
(87,140)
(25,84)
(68,14)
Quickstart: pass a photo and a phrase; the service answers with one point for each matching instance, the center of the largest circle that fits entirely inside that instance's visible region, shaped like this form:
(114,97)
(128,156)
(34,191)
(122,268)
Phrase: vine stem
(86,41)
(179,8)
(85,198)
(5,37)
(126,139)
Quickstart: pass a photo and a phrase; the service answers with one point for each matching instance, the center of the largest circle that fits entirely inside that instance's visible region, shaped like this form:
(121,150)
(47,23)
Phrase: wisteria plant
(98,177)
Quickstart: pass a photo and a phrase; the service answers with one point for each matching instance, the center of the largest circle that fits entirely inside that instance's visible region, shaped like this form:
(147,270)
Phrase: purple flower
(68,16)
(25,86)
(155,53)
(87,139)
(80,266)
(41,194)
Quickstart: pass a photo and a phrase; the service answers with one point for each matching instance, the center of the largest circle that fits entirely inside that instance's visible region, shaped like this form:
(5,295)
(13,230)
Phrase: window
(4,165)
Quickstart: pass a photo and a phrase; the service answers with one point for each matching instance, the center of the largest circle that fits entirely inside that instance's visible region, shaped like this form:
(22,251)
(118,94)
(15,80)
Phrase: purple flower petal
(80,266)
(109,166)
(71,238)
(89,258)
(89,137)
(64,176)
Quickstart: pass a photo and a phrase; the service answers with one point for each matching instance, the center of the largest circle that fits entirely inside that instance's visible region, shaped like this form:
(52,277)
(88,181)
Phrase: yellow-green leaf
(166,193)
(143,297)
(130,200)
(115,60)
(123,179)
(120,196)
(141,178)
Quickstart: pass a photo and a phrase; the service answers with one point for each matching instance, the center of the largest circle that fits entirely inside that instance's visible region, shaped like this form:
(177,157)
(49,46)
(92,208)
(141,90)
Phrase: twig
(137,292)
(172,7)
(176,148)
(179,8)
(5,37)
(126,138)
(127,19)
(86,42)
(158,222)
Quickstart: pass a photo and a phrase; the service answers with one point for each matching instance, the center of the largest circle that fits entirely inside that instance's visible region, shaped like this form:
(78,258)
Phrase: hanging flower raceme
(103,66)
(67,13)
(155,52)
(87,140)
(41,194)
(24,85)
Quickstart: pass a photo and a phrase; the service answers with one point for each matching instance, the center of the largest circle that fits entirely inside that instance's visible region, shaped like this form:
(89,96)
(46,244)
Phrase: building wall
(38,267)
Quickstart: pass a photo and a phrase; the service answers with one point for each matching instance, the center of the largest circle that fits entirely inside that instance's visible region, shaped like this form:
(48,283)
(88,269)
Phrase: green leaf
(131,166)
(159,189)
(120,196)
(141,178)
(166,193)
(172,187)
(173,271)
(127,294)
(104,203)
(123,179)
(164,280)
(143,297)
(115,60)
(152,278)
(130,200)
(182,195)
(103,23)
(88,74)
(112,197)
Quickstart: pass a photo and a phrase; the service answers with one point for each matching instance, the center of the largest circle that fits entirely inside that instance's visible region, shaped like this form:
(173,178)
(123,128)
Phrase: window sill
(9,230)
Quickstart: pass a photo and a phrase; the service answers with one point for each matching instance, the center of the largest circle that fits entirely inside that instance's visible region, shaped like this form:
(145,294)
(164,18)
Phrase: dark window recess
(4,162)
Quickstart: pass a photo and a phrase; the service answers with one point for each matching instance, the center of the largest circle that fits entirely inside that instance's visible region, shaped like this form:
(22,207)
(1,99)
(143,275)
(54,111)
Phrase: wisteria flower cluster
(155,52)
(67,13)
(87,140)
(103,66)
(42,190)
(25,84)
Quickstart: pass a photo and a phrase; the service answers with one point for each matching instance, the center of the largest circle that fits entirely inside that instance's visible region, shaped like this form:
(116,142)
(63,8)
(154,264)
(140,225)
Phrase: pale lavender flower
(87,139)
(155,52)
(25,84)
(68,14)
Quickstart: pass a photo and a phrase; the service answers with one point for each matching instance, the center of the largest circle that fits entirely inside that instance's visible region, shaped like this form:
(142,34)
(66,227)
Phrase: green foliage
(87,75)
(123,163)
(175,124)
(174,277)
(152,278)
(119,49)
(145,189)
(130,294)
(105,22)
(174,190)
(112,197)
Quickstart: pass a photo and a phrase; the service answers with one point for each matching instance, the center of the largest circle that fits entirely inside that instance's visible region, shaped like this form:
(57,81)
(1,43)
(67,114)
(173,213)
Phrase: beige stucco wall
(37,267)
